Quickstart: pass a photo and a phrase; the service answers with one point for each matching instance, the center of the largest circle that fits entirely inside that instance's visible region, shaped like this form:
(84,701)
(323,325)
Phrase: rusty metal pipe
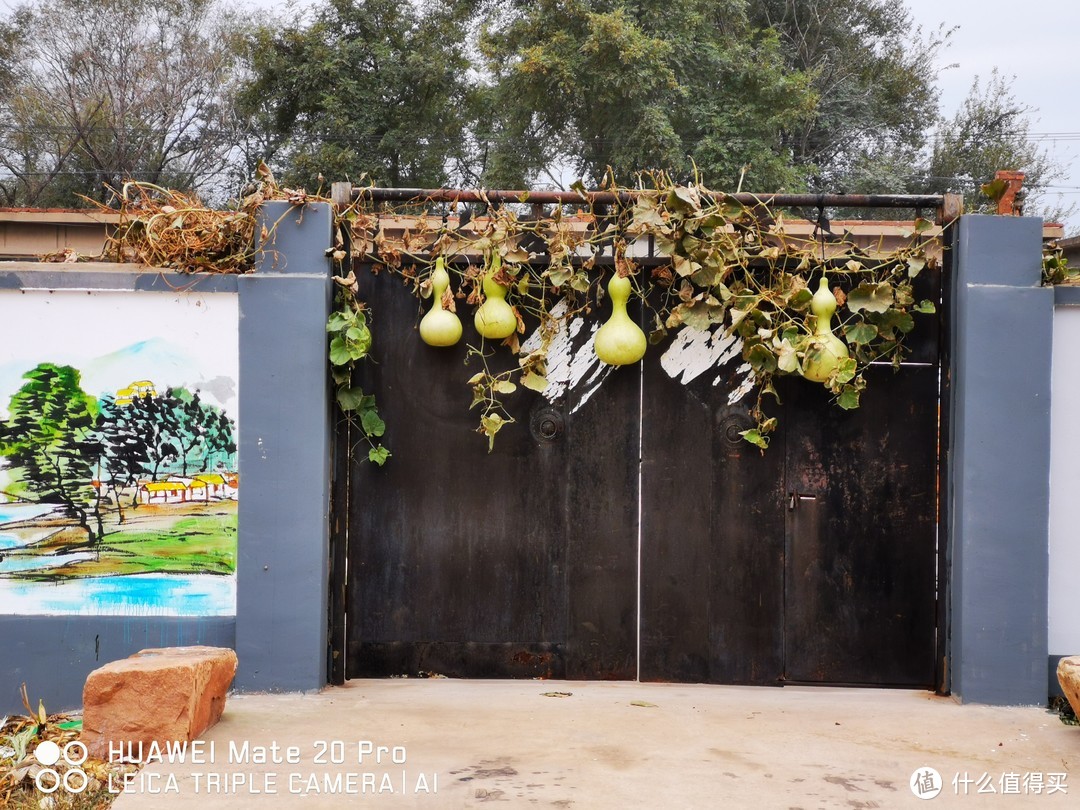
(464,195)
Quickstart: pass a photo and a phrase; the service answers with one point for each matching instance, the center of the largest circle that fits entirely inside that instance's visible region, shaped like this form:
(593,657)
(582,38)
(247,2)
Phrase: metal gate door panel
(814,562)
(861,505)
(712,553)
(518,562)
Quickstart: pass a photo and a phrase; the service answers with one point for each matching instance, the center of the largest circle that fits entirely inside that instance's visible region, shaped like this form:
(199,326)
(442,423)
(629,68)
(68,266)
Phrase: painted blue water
(134,595)
(10,512)
(23,511)
(29,562)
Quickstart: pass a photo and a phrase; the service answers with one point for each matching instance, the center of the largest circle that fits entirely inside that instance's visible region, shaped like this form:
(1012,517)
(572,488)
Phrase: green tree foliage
(872,72)
(369,87)
(990,131)
(827,95)
(634,85)
(99,91)
(50,444)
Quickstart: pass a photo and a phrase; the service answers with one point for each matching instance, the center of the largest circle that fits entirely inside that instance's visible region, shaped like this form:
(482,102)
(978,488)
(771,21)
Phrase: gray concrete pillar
(282,569)
(999,461)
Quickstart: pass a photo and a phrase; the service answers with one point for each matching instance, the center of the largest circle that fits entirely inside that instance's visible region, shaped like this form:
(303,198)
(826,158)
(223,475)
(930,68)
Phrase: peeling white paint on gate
(572,364)
(693,352)
(745,386)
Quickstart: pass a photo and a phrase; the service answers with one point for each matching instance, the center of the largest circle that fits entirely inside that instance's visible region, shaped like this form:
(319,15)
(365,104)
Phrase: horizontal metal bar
(464,195)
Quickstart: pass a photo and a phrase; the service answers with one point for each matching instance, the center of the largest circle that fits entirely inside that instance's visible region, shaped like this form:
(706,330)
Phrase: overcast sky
(1033,42)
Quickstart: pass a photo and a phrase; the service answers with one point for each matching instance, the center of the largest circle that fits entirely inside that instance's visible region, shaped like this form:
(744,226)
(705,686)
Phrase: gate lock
(547,424)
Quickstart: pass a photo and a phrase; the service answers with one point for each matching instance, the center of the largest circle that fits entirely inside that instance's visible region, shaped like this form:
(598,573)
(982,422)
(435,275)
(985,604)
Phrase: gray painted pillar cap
(297,238)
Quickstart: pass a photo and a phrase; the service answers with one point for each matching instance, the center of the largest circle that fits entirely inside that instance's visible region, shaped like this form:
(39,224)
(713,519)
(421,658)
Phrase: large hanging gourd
(825,350)
(620,341)
(440,327)
(495,319)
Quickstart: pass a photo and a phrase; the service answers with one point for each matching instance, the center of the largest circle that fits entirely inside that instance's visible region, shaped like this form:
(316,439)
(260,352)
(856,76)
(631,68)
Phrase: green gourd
(620,341)
(825,350)
(495,319)
(440,327)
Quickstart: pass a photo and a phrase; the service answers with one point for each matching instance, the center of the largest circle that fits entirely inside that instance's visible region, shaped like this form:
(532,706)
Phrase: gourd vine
(350,343)
(715,264)
(1055,267)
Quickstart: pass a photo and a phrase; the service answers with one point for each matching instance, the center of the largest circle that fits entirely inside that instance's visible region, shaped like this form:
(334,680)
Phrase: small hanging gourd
(620,341)
(495,319)
(440,327)
(825,350)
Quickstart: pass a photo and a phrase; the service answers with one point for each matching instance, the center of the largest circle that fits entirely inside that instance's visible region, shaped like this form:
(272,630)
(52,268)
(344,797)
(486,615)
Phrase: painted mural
(118,438)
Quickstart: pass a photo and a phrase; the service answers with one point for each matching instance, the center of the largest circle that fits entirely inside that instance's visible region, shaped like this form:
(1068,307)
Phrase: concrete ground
(457,744)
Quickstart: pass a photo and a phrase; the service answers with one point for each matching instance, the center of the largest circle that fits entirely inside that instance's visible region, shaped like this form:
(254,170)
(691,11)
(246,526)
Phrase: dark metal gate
(632,532)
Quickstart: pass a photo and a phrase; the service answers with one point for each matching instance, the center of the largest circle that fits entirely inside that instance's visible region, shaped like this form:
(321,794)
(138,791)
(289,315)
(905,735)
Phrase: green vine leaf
(372,423)
(580,282)
(926,307)
(892,319)
(800,301)
(860,333)
(559,275)
(684,198)
(534,381)
(350,343)
(349,397)
(490,424)
(761,359)
(339,352)
(845,370)
(787,358)
(755,438)
(338,322)
(849,398)
(871,297)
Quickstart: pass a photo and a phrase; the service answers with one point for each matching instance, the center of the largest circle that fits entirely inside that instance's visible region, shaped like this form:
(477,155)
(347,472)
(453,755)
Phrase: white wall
(1064,618)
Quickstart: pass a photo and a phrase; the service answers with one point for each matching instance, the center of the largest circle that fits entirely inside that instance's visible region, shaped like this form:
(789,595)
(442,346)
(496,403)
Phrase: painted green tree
(174,432)
(122,447)
(155,421)
(201,429)
(50,443)
(220,439)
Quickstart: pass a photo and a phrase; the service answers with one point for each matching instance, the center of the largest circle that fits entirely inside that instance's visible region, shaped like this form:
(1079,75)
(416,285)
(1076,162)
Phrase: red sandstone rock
(1068,673)
(162,695)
